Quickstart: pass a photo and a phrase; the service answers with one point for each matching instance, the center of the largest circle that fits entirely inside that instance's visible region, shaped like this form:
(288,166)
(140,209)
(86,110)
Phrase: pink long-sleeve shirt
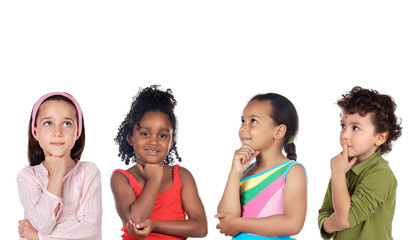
(80,214)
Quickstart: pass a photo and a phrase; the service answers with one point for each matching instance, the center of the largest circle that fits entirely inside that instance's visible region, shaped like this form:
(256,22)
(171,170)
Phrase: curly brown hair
(363,101)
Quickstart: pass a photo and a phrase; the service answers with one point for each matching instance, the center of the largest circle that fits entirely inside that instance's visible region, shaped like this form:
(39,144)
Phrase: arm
(230,202)
(325,212)
(130,207)
(340,194)
(288,223)
(39,205)
(196,224)
(87,223)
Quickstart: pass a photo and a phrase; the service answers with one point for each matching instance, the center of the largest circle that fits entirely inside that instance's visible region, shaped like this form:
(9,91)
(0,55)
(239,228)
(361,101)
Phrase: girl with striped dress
(266,199)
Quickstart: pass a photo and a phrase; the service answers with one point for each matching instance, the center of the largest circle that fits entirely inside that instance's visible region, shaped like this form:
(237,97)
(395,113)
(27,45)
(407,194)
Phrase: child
(61,195)
(154,199)
(272,200)
(360,200)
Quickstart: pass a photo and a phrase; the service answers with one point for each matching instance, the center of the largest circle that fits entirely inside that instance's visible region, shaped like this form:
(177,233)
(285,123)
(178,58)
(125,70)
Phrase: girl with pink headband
(60,194)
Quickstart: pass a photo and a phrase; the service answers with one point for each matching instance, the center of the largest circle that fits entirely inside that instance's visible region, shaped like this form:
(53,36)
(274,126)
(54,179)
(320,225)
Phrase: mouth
(57,144)
(244,139)
(152,152)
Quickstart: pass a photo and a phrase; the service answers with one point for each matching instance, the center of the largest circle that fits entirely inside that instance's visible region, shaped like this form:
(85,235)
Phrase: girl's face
(56,127)
(153,139)
(360,135)
(257,128)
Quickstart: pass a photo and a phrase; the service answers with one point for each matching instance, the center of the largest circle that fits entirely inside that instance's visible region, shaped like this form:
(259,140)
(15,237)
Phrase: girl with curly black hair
(154,198)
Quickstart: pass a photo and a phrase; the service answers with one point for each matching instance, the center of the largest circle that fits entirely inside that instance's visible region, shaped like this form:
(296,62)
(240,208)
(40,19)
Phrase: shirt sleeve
(39,205)
(369,195)
(325,212)
(87,225)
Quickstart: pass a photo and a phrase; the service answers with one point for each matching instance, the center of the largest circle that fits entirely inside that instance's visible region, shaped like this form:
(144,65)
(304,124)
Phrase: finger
(219,215)
(255,154)
(249,148)
(345,148)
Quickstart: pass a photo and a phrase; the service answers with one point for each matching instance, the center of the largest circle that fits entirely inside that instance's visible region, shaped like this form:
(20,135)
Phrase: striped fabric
(80,213)
(261,195)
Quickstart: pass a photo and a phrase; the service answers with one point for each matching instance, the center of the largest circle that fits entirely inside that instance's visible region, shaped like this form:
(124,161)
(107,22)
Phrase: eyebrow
(65,118)
(148,128)
(251,116)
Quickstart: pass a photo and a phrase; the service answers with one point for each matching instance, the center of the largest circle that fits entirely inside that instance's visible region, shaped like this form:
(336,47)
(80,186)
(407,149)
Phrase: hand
(26,230)
(242,158)
(227,224)
(151,171)
(341,164)
(140,230)
(56,166)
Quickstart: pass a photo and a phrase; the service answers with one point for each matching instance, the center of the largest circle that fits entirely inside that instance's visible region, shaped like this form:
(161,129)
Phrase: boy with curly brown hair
(361,196)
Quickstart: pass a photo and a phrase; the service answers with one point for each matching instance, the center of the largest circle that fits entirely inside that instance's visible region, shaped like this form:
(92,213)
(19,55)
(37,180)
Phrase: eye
(144,134)
(243,121)
(67,124)
(47,124)
(253,121)
(163,136)
(343,126)
(356,128)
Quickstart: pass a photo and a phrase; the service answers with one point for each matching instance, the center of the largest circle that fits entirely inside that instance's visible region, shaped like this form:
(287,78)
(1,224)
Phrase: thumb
(353,161)
(220,215)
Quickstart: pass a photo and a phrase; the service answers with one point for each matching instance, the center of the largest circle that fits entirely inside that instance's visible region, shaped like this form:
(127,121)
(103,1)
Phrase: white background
(215,55)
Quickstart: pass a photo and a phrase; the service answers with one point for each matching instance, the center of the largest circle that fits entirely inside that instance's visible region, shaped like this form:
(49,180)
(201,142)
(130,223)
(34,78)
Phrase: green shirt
(372,187)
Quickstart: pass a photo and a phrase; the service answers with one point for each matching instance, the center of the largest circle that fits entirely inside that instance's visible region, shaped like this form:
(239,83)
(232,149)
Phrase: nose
(57,131)
(243,128)
(153,139)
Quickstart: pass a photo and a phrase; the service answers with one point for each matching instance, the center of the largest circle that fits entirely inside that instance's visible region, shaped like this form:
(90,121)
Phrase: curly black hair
(364,101)
(149,99)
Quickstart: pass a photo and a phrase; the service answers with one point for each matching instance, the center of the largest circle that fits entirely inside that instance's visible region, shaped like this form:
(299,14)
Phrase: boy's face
(360,134)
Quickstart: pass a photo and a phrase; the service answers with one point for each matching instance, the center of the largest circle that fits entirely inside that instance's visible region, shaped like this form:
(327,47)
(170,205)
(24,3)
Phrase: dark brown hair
(35,152)
(363,101)
(283,112)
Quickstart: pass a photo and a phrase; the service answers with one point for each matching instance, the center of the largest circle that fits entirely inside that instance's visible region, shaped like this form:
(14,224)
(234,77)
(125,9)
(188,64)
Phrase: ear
(280,131)
(129,139)
(35,134)
(381,138)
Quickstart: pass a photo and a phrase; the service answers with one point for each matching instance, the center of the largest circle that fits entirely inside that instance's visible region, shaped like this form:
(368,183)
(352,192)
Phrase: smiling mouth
(243,139)
(152,151)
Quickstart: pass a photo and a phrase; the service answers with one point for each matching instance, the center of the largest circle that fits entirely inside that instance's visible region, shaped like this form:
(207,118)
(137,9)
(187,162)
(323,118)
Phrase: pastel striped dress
(261,195)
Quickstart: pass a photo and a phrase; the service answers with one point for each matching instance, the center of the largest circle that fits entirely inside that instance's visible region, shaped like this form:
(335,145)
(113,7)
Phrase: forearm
(341,200)
(276,225)
(183,228)
(331,224)
(142,207)
(230,202)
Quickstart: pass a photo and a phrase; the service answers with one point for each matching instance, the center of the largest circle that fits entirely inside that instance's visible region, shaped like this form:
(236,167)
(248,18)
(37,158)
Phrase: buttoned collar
(358,168)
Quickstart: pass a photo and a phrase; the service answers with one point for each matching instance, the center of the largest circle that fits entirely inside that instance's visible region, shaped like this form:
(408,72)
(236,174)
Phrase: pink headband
(45,97)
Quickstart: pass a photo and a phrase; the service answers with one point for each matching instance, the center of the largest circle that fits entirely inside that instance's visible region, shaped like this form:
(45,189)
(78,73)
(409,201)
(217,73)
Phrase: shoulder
(31,172)
(380,174)
(89,168)
(185,175)
(295,169)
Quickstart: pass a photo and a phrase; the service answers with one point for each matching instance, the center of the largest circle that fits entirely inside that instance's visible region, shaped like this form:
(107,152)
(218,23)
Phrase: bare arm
(230,202)
(130,207)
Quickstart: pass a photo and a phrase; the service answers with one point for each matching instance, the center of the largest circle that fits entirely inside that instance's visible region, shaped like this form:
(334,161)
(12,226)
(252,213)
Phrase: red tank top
(168,205)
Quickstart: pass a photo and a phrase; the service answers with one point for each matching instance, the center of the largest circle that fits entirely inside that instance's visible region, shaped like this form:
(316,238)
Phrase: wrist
(154,225)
